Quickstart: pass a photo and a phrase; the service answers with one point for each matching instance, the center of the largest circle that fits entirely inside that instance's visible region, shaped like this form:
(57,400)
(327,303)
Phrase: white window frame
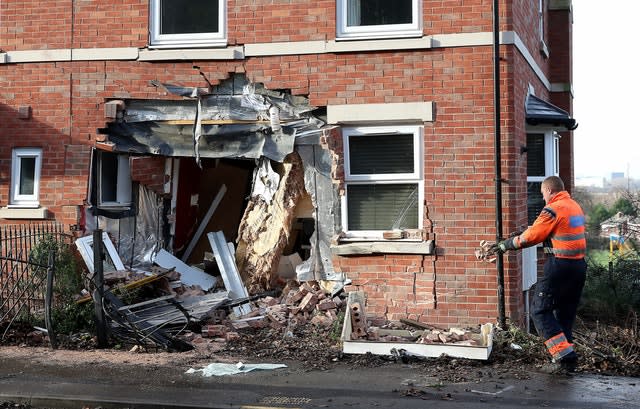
(415,177)
(344,32)
(158,40)
(543,45)
(551,155)
(85,248)
(25,201)
(123,183)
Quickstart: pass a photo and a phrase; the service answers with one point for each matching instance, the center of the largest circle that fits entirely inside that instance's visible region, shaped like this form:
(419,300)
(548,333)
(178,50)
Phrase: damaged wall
(264,231)
(85,65)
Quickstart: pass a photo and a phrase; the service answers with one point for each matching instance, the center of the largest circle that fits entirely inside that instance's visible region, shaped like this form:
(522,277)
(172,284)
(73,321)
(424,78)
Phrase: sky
(606,87)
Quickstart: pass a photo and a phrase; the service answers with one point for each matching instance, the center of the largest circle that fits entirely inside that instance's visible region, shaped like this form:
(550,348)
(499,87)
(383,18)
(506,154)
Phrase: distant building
(618,179)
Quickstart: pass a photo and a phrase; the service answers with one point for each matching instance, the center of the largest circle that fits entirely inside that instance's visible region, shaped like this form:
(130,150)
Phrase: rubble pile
(298,305)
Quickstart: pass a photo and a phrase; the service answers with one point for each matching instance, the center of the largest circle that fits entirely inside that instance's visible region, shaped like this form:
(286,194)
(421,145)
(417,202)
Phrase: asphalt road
(398,386)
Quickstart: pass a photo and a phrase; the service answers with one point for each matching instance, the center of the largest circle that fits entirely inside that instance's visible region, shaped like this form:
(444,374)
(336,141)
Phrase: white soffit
(398,112)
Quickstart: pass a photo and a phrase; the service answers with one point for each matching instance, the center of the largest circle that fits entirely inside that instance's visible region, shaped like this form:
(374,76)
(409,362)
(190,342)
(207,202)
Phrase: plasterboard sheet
(350,346)
(188,275)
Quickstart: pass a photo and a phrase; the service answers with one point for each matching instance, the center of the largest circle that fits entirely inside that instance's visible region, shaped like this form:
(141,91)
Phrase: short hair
(554,183)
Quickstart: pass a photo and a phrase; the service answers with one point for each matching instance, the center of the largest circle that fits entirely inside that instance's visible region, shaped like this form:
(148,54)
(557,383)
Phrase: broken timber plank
(205,221)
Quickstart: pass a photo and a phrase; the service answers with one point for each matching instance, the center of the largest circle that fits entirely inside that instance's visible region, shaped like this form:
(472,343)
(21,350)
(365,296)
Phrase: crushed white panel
(229,271)
(529,267)
(188,275)
(111,257)
(360,346)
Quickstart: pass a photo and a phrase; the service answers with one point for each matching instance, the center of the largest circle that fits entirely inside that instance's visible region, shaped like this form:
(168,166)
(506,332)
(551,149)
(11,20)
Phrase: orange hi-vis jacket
(561,221)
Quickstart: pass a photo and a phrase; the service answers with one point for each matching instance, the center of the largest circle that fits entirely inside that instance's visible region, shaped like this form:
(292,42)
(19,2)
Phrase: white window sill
(378,35)
(384,247)
(189,44)
(13,212)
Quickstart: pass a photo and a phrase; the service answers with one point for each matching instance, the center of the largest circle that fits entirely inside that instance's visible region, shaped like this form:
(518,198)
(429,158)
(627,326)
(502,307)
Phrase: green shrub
(67,315)
(612,289)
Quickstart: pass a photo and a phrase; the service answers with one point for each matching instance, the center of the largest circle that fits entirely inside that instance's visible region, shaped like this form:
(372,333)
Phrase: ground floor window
(25,177)
(383,180)
(114,178)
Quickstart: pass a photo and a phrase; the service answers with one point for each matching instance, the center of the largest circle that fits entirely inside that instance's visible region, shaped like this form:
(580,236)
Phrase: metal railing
(24,271)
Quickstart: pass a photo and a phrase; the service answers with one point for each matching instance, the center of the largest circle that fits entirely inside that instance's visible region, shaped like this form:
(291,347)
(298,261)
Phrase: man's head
(551,186)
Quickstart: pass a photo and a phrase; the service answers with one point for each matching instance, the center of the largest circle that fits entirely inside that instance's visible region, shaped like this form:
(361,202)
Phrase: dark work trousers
(556,297)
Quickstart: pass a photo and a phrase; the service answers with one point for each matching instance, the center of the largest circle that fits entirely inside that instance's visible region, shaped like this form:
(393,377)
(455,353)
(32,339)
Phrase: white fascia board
(391,112)
(228,53)
(562,87)
(99,54)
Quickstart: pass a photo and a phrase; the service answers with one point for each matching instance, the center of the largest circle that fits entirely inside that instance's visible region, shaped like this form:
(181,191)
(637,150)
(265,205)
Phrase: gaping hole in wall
(229,185)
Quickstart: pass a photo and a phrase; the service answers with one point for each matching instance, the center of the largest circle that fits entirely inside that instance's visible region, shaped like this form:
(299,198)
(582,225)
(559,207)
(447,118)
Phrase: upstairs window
(25,177)
(541,28)
(378,18)
(542,161)
(188,23)
(383,180)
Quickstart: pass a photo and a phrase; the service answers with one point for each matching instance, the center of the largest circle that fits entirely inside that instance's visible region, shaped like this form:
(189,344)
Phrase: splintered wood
(264,230)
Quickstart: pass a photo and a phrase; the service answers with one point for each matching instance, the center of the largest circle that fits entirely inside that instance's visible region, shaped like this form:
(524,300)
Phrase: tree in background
(612,289)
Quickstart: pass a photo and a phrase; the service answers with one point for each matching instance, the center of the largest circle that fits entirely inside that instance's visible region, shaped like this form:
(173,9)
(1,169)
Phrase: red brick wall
(450,287)
(149,171)
(53,24)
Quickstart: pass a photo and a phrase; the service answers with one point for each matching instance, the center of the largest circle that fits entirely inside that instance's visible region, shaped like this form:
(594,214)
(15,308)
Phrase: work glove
(502,246)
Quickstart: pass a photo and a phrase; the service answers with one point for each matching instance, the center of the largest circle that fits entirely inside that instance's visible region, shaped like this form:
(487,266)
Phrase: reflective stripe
(569,237)
(558,346)
(550,211)
(565,252)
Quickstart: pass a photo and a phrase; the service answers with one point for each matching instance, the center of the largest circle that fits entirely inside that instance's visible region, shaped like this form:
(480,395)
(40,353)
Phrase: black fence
(24,270)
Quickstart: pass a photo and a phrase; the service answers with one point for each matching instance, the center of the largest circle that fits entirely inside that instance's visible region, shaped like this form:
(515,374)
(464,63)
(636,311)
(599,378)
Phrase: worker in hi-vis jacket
(561,226)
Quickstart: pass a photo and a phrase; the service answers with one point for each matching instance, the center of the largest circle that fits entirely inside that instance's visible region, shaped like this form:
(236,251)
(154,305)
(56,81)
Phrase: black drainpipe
(502,322)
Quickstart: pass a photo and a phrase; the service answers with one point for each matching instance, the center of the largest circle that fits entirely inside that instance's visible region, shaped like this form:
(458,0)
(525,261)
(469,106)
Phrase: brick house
(354,133)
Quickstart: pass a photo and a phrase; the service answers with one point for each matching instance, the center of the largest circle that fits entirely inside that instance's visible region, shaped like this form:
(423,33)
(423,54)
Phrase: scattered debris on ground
(305,322)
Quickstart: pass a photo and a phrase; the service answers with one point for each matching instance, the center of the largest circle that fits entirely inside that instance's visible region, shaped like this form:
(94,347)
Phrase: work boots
(564,367)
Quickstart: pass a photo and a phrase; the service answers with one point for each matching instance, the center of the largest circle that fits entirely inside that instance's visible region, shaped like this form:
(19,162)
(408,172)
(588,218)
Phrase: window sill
(188,45)
(384,247)
(379,35)
(23,213)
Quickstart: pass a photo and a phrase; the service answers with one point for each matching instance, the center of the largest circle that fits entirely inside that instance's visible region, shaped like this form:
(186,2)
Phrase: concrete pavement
(393,386)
